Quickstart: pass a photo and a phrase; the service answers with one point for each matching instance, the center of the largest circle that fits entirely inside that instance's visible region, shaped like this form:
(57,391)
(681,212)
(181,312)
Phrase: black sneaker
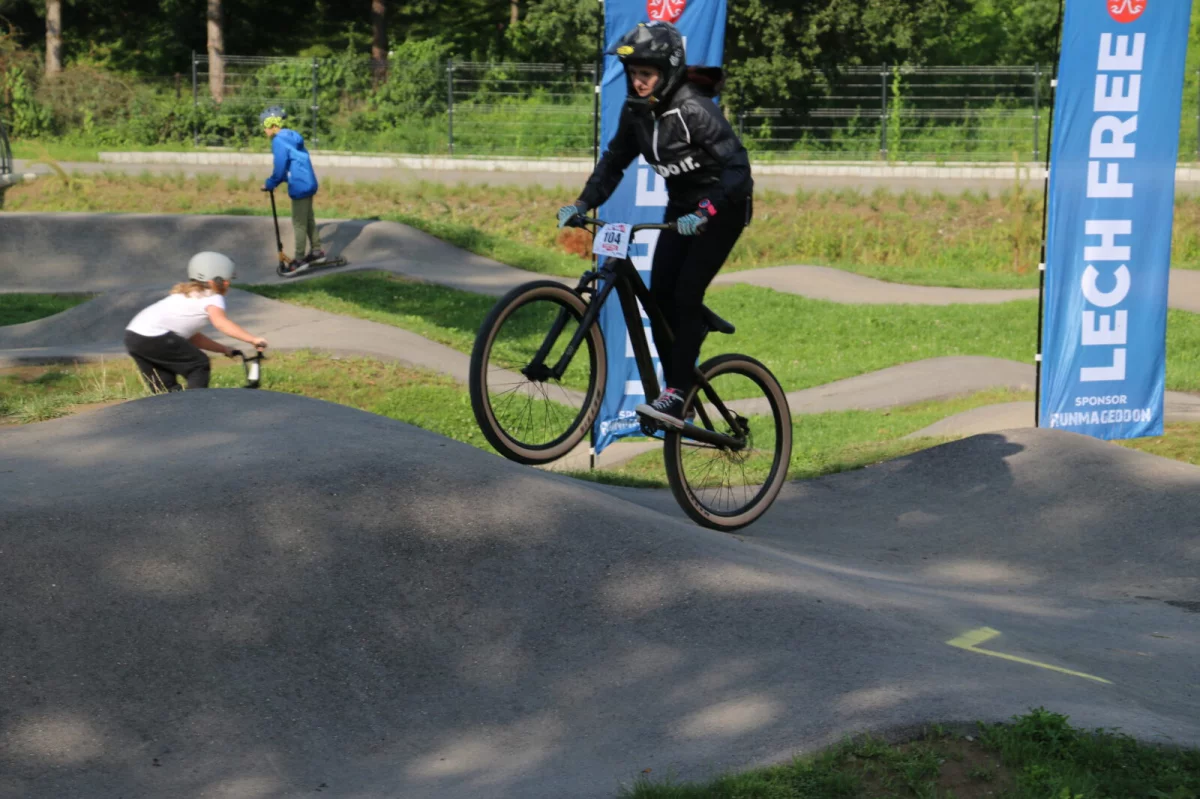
(667,409)
(314,257)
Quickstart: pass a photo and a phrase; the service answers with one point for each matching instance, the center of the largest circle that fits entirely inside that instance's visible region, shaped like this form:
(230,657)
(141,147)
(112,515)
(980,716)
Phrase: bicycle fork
(537,370)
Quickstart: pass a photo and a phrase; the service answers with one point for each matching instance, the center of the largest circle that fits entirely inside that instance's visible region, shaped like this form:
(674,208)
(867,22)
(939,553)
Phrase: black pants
(683,268)
(163,358)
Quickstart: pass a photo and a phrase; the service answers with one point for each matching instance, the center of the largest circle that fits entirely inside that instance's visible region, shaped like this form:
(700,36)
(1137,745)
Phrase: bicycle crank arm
(706,436)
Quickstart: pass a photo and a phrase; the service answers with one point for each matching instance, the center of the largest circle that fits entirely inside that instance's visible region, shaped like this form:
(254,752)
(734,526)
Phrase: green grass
(37,394)
(846,340)
(18,308)
(1180,441)
(804,342)
(1039,755)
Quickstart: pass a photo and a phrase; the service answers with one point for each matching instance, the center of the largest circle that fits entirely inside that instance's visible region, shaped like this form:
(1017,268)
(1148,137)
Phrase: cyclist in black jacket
(670,119)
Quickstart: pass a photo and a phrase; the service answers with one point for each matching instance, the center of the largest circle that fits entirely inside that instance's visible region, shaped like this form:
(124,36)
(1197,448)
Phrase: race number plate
(612,241)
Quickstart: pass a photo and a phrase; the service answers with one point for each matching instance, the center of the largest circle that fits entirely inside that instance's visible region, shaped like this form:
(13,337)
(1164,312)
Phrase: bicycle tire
(677,447)
(490,420)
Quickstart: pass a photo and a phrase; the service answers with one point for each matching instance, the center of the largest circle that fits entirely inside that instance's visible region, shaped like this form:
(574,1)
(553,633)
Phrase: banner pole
(1037,360)
(598,77)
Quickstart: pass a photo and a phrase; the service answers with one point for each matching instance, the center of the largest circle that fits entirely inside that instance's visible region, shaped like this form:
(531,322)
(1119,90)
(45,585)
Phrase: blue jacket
(293,165)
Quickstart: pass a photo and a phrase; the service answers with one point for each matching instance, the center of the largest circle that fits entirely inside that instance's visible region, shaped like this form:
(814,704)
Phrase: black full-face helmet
(655,44)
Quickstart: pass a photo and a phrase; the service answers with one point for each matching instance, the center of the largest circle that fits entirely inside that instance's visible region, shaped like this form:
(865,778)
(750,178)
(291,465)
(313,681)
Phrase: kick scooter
(282,268)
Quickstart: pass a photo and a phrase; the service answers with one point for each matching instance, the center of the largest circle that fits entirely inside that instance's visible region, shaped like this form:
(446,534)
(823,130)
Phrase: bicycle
(538,370)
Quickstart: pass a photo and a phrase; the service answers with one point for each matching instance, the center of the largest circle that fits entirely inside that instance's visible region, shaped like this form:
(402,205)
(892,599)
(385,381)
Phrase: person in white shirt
(164,339)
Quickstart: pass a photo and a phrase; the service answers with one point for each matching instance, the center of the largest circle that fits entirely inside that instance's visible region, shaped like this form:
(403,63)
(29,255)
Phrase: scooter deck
(328,263)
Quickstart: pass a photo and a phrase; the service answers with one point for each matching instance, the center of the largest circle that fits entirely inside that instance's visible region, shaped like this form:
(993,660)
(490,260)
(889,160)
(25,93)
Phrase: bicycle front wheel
(525,412)
(727,488)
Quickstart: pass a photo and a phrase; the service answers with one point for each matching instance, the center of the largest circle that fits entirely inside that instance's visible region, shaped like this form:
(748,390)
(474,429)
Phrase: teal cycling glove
(690,225)
(569,212)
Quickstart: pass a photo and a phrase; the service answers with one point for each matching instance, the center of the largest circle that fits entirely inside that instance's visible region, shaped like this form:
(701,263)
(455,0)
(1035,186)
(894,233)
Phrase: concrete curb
(582,165)
(862,169)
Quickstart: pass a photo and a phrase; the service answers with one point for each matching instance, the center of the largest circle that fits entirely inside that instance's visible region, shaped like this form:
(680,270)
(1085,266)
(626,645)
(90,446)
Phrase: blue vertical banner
(1111,205)
(642,195)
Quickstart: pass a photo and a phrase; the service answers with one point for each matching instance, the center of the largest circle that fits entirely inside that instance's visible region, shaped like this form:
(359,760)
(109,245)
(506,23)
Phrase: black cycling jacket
(687,141)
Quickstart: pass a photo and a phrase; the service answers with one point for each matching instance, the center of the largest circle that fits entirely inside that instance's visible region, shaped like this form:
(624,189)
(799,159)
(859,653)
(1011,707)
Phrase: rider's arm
(282,153)
(221,322)
(607,174)
(205,343)
(714,133)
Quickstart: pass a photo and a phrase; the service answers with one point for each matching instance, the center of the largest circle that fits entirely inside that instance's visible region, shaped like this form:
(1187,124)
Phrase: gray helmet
(655,44)
(205,266)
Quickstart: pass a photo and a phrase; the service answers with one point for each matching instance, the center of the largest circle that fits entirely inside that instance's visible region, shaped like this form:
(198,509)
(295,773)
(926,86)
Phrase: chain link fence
(883,113)
(910,113)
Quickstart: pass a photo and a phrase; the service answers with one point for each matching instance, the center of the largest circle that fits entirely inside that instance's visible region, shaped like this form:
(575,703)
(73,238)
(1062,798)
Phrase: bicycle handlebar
(581,220)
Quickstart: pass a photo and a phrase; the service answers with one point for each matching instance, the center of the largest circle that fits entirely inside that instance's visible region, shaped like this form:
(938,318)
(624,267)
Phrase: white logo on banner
(651,188)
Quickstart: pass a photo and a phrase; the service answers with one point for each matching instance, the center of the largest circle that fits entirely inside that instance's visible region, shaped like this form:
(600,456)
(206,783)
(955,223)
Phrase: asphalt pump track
(250,594)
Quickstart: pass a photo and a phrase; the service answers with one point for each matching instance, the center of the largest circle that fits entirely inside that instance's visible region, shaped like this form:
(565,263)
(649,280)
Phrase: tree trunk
(216,52)
(54,48)
(379,42)
(514,12)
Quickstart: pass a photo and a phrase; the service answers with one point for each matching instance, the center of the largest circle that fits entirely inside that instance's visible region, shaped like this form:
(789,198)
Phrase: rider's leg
(314,235)
(161,358)
(699,265)
(669,256)
(301,212)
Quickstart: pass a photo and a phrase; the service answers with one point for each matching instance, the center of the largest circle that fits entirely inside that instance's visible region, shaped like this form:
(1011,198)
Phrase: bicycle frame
(622,276)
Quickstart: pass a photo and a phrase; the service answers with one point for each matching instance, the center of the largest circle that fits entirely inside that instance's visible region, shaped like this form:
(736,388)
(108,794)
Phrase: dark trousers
(683,267)
(162,359)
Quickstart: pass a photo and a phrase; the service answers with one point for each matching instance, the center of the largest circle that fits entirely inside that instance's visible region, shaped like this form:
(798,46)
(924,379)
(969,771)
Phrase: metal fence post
(1037,102)
(315,102)
(883,143)
(450,102)
(195,102)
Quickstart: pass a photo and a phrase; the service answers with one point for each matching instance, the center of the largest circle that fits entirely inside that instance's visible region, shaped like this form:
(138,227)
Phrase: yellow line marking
(971,640)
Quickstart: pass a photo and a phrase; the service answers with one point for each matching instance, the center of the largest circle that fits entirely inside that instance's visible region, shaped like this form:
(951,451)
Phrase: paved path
(250,594)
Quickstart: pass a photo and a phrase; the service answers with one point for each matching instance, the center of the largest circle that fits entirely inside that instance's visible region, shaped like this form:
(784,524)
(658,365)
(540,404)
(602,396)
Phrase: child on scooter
(293,166)
(164,339)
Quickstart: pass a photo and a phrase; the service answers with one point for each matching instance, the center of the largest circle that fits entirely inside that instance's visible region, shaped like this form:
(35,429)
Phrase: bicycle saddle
(715,322)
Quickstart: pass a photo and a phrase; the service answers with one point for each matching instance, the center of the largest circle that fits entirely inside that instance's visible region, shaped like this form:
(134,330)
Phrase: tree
(54,45)
(216,52)
(379,40)
(557,31)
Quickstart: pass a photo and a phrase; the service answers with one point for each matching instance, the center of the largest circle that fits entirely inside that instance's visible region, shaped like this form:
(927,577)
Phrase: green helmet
(273,117)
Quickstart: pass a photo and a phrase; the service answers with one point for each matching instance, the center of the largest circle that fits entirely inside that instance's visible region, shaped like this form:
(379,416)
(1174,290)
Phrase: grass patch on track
(972,239)
(16,309)
(1037,756)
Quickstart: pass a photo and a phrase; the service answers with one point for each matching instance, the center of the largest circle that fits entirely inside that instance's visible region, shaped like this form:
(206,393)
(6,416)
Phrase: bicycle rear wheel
(726,488)
(524,412)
